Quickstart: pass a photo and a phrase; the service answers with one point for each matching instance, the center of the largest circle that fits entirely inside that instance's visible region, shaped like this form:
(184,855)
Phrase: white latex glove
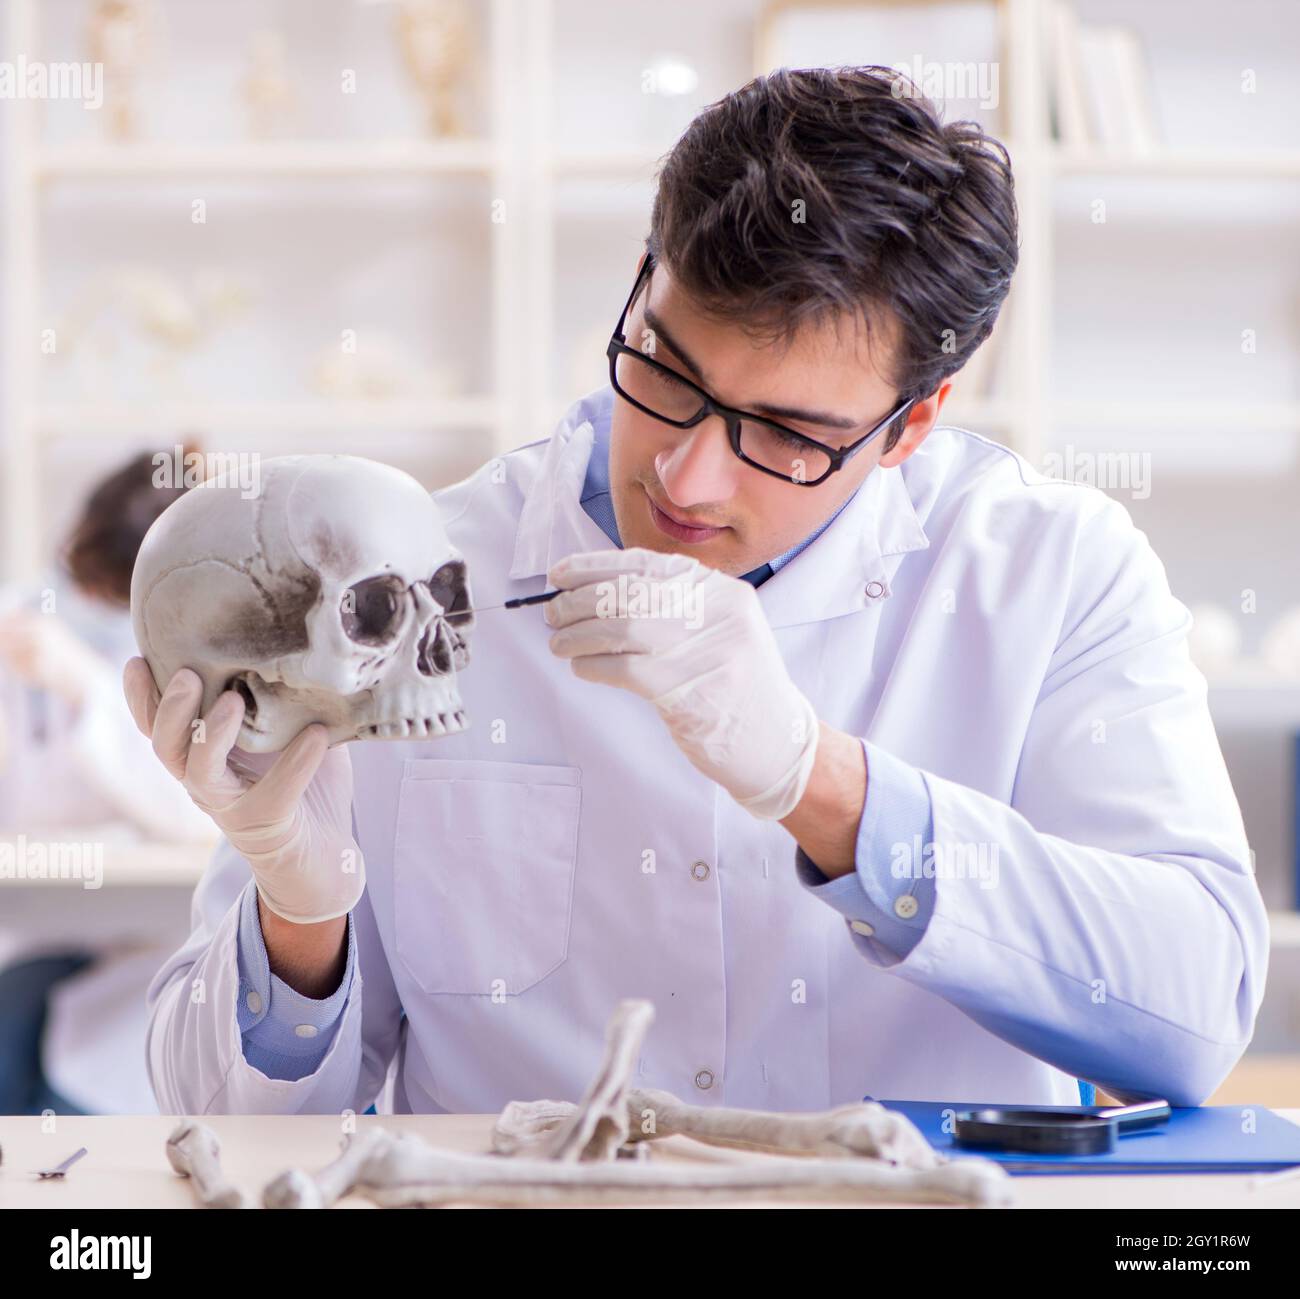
(696,644)
(289,814)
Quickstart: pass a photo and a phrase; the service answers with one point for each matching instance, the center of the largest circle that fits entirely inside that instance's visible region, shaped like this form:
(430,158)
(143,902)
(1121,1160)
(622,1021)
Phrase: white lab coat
(1012,637)
(62,772)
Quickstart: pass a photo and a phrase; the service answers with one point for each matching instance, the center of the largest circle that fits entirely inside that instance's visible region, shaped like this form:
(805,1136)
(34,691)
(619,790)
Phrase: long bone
(865,1130)
(403,1171)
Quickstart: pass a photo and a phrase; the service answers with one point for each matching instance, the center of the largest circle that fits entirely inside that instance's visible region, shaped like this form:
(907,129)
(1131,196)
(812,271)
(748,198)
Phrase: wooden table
(126,1166)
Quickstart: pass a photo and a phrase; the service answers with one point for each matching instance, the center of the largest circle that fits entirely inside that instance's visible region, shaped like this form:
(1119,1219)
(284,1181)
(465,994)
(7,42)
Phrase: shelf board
(266,417)
(288,158)
(1189,412)
(1267,164)
(614,164)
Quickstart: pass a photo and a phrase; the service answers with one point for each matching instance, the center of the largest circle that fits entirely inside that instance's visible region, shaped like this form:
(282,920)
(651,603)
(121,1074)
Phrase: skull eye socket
(372,609)
(449,588)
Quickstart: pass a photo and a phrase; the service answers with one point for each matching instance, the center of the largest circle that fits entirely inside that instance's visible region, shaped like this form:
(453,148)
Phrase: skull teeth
(415,727)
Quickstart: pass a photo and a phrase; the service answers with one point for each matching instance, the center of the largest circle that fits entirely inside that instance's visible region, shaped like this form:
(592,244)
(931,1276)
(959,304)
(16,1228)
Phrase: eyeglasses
(763,443)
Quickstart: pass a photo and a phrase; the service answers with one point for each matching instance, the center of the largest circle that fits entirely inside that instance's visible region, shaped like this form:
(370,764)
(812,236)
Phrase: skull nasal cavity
(372,610)
(434,657)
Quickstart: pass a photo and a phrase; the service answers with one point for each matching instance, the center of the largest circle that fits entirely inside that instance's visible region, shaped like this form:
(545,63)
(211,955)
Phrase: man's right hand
(288,814)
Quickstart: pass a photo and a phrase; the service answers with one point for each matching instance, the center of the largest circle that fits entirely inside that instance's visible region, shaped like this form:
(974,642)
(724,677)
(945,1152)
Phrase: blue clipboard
(1202,1139)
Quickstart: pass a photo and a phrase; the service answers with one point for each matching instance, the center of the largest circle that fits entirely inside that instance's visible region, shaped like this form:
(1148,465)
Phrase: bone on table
(194,1152)
(561,1153)
(403,1171)
(611,1114)
(863,1130)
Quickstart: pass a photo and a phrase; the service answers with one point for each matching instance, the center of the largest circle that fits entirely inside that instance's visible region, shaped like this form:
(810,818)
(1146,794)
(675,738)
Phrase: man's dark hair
(838,194)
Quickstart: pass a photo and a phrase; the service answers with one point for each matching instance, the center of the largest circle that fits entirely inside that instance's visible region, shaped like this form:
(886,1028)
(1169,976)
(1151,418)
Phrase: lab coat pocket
(483,865)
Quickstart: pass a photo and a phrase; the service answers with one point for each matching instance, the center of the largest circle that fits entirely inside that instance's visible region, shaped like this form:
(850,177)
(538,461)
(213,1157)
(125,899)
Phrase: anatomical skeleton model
(601,1152)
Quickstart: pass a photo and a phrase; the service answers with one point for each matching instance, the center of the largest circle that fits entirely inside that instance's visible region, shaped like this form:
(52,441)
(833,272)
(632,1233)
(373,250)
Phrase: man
(870,755)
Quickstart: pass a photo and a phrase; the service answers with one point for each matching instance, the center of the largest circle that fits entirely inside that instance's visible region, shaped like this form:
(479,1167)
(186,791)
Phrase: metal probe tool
(518,602)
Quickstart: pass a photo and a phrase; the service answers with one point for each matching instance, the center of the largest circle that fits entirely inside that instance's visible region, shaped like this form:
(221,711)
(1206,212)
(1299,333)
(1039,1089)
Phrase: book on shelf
(1098,85)
(1066,96)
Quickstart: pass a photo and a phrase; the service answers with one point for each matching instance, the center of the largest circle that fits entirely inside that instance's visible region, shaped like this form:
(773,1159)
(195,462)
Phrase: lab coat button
(305,1030)
(906,907)
(254,1001)
(704,1079)
(875,590)
(861,927)
(700,870)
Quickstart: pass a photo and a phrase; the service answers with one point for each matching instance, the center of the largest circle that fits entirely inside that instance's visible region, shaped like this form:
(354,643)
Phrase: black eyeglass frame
(731,416)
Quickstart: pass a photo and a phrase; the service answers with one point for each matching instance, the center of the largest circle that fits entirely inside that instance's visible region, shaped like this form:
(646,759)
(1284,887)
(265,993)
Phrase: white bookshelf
(1023,412)
(35,169)
(1274,164)
(322,418)
(564,177)
(570,148)
(284,160)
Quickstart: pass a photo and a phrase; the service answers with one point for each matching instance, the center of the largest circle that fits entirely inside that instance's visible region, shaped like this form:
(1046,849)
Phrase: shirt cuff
(887,899)
(285,1034)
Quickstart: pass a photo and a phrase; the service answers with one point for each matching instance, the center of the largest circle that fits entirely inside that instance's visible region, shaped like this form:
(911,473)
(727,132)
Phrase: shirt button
(875,590)
(700,870)
(906,907)
(861,927)
(305,1030)
(704,1079)
(254,1001)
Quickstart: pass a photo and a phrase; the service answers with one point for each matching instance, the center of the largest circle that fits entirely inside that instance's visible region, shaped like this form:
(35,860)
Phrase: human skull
(329,594)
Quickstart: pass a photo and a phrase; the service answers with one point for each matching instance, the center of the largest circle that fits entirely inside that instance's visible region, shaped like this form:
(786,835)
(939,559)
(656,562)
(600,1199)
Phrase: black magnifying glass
(1049,1132)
